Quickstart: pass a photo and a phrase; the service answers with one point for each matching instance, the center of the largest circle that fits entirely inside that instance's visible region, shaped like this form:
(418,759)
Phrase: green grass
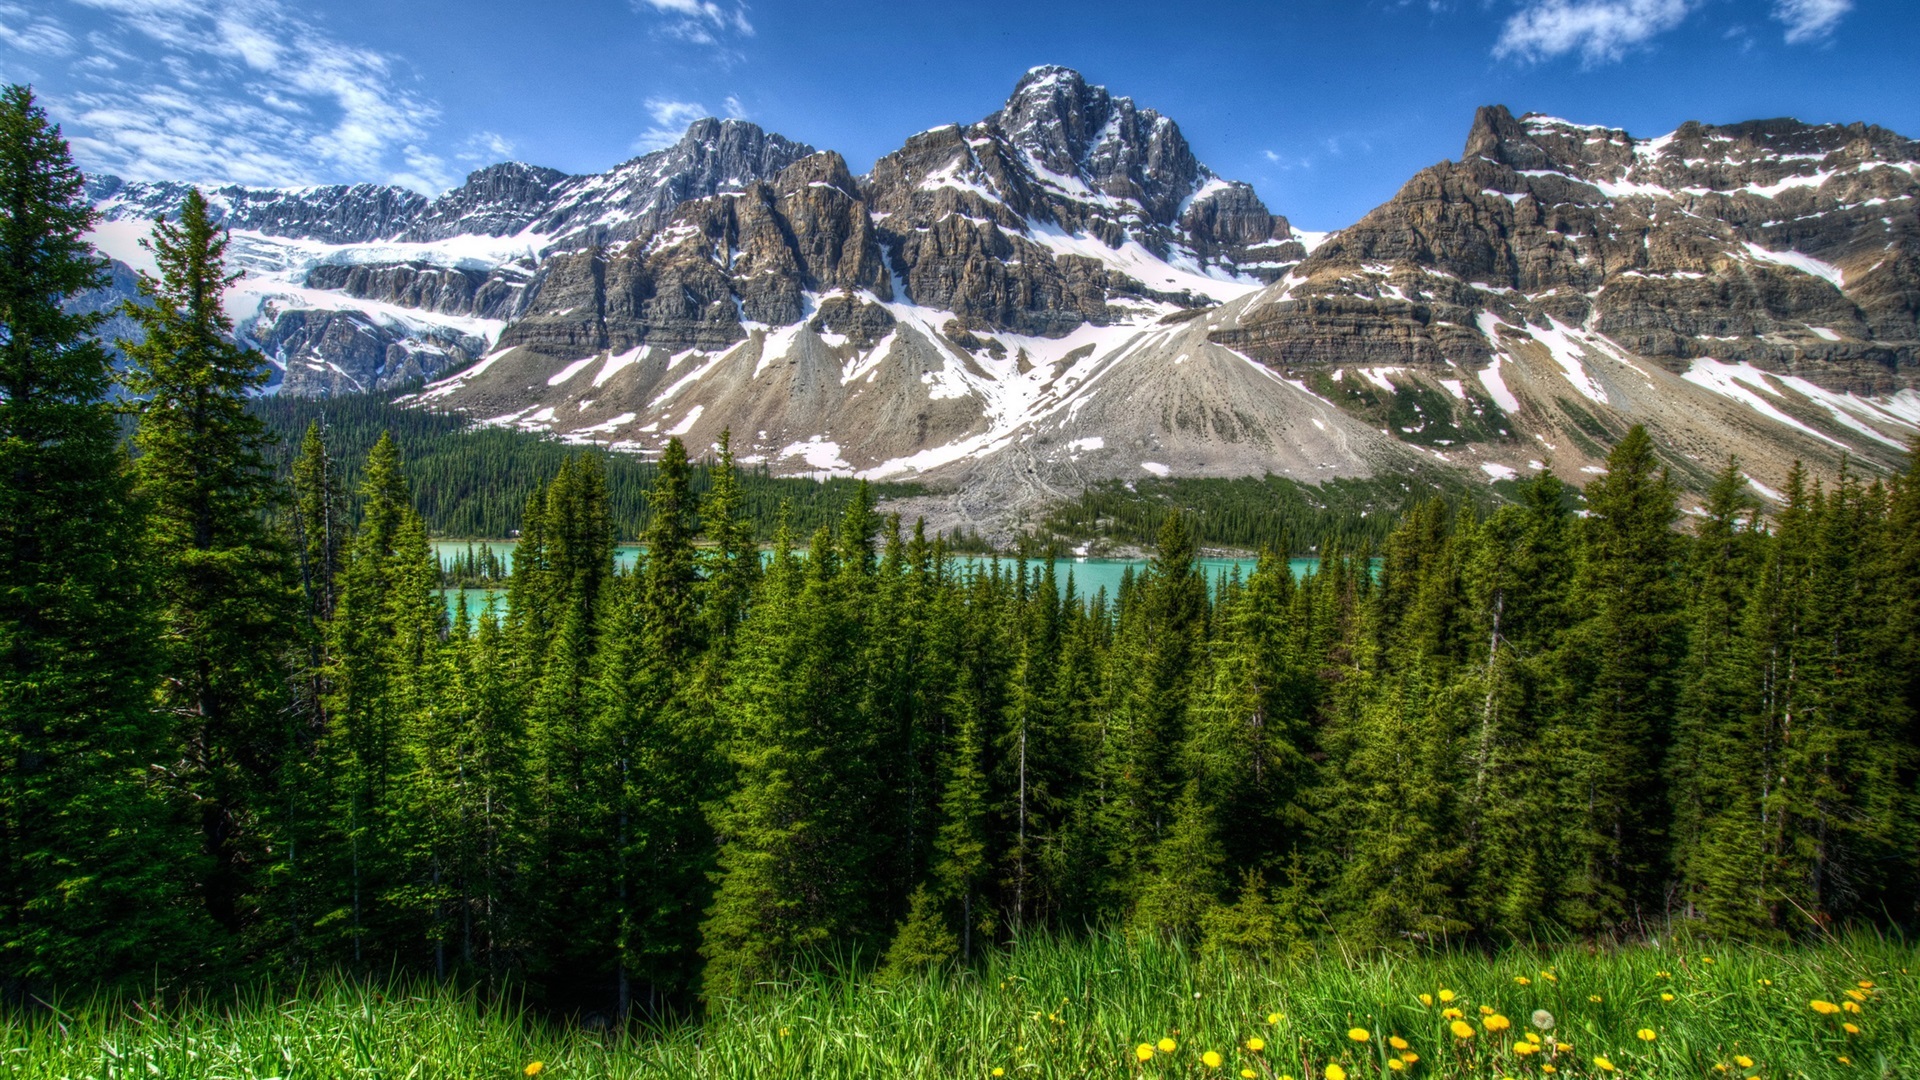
(1069,1010)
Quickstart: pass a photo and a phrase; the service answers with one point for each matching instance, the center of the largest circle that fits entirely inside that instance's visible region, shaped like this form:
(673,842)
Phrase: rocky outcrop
(321,353)
(1789,246)
(487,294)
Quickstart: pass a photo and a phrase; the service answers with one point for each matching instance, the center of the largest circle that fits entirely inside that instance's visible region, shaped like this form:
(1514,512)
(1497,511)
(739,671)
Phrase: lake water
(1089,575)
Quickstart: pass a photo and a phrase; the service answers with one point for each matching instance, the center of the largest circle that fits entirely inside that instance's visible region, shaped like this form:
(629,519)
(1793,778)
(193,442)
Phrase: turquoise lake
(1088,575)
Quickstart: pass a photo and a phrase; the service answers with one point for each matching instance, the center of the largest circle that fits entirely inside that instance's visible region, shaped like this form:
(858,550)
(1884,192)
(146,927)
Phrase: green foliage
(1251,514)
(96,864)
(473,480)
(1058,1009)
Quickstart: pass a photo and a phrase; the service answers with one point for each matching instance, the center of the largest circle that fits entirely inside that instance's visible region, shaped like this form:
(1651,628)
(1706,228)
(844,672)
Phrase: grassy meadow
(1099,1007)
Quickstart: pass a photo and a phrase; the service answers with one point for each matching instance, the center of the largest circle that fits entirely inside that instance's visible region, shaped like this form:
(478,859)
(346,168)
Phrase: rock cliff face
(1061,292)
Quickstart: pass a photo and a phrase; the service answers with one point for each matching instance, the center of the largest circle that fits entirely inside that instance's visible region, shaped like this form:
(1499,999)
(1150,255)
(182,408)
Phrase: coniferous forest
(242,733)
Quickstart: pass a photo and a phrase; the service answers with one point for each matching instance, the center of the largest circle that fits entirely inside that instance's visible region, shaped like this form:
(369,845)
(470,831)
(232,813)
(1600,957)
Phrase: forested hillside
(242,734)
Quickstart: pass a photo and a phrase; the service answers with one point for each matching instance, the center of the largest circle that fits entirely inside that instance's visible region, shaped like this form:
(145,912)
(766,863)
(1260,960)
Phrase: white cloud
(1599,30)
(244,91)
(701,22)
(1810,20)
(670,120)
(1270,155)
(734,108)
(34,34)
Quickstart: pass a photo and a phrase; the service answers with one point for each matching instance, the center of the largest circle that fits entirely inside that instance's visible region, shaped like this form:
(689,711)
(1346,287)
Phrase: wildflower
(1549,976)
(1603,1064)
(1427,1000)
(1852,1007)
(1666,997)
(1409,1057)
(1721,1066)
(1844,1059)
(1524,1048)
(1663,974)
(1248,1074)
(1143,1052)
(1168,1046)
(1397,1042)
(1743,1061)
(1646,1034)
(998,1071)
(1595,998)
(1396,1065)
(784,1032)
(1543,1019)
(1274,1018)
(1851,1029)
(1358,1034)
(1256,1044)
(1766,982)
(1522,980)
(1856,995)
(1548,1069)
(1533,1037)
(1211,1059)
(1335,1072)
(1706,959)
(1824,1008)
(1445,995)
(1461,1029)
(1865,984)
(1486,1010)
(1496,1022)
(534,1068)
(1451,1014)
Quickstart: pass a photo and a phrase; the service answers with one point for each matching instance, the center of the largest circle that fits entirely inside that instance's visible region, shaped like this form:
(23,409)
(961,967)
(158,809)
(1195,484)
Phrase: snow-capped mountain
(1061,292)
(367,287)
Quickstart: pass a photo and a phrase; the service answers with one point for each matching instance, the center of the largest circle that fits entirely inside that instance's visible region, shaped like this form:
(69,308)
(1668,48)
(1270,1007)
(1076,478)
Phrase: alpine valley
(1061,293)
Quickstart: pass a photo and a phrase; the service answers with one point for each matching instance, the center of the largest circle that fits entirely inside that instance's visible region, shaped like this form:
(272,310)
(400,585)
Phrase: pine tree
(95,867)
(1619,667)
(228,598)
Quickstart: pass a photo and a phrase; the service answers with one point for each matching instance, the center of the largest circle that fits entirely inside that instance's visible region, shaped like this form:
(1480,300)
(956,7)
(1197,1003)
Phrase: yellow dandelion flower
(1522,980)
(1646,1034)
(1451,1014)
(1445,995)
(1844,1059)
(1248,1074)
(1721,1066)
(1595,998)
(1548,1069)
(1396,1065)
(998,1071)
(1525,1048)
(1496,1022)
(1856,995)
(1851,1006)
(1143,1052)
(1486,1010)
(1533,1037)
(1824,1008)
(1549,976)
(1663,974)
(1603,1064)
(1563,1047)
(1409,1057)
(1274,1018)
(1427,1000)
(1256,1044)
(1335,1072)
(1359,1034)
(1865,984)
(784,1032)
(1743,1061)
(1851,1029)
(1666,997)
(1461,1029)
(1397,1042)
(1211,1059)
(1766,982)
(534,1068)
(1706,959)
(1168,1046)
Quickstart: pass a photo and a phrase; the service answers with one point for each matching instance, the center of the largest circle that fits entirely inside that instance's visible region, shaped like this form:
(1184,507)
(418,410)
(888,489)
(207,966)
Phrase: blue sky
(1326,106)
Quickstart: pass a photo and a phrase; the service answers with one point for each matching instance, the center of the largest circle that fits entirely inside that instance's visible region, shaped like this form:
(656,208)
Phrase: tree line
(243,733)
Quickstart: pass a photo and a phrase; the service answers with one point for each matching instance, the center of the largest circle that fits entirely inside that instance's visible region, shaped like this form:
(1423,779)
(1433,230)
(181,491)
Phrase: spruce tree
(228,598)
(1619,667)
(96,869)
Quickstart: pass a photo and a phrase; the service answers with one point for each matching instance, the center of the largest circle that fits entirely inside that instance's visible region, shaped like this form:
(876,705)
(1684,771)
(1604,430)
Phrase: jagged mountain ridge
(1061,292)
